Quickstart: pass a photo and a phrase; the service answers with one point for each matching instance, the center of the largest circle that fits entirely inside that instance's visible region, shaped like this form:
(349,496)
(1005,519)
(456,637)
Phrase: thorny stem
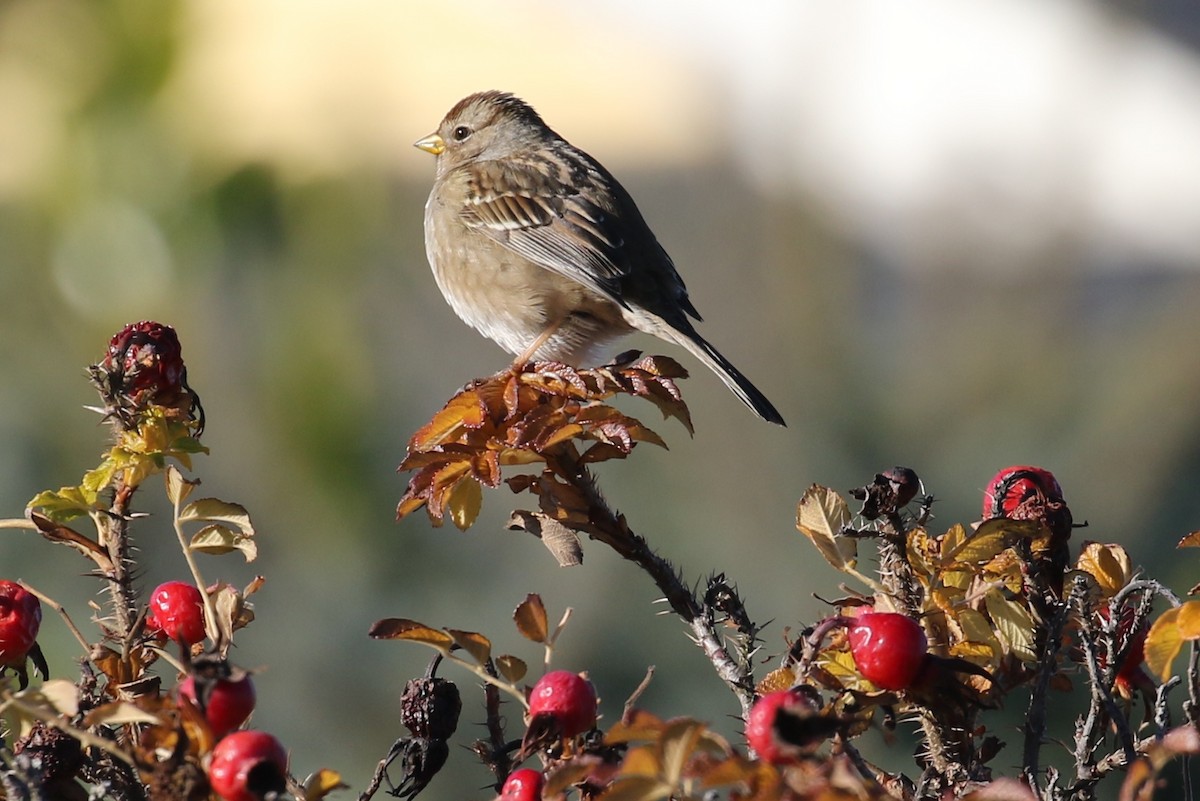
(948,741)
(610,528)
(1035,718)
(1100,679)
(498,758)
(114,538)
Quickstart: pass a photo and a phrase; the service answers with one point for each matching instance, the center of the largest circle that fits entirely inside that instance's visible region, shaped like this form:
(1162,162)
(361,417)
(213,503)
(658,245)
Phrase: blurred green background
(950,238)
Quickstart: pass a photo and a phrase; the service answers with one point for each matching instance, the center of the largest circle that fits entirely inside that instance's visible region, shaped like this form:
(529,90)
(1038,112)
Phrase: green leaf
(1014,625)
(64,504)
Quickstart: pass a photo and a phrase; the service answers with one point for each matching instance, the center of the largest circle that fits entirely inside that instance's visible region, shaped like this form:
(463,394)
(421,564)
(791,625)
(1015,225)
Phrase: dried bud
(888,493)
(142,367)
(429,708)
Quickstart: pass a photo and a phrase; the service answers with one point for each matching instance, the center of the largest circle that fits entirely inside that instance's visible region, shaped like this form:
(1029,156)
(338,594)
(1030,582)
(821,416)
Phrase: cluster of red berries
(245,765)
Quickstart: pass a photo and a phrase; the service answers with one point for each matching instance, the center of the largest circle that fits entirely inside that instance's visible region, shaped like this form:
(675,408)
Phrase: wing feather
(534,208)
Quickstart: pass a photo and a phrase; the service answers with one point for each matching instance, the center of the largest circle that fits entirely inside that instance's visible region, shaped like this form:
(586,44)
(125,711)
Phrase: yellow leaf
(464,502)
(1108,564)
(821,515)
(976,629)
(992,537)
(322,783)
(1014,625)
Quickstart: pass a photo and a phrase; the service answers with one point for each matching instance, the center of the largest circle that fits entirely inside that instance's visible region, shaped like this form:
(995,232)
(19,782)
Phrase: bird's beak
(431,144)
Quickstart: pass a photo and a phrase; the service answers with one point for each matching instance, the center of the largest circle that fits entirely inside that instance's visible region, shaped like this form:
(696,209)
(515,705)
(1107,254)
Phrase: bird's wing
(534,208)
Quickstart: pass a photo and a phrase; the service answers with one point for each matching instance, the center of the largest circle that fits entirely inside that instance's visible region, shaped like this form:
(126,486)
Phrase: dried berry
(143,366)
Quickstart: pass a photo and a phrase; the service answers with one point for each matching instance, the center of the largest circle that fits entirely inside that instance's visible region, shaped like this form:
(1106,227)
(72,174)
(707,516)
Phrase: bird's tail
(730,375)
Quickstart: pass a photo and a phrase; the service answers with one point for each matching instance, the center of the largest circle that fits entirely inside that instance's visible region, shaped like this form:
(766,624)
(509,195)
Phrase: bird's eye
(461,133)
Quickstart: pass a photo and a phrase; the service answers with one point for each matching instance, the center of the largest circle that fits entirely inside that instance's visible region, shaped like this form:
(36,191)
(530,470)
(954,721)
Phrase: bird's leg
(527,354)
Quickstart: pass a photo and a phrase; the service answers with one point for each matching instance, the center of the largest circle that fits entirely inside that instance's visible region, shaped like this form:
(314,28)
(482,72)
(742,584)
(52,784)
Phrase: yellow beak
(431,144)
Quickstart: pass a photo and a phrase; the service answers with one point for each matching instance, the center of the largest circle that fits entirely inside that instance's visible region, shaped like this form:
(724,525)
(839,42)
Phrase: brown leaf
(562,542)
(57,532)
(531,619)
(464,410)
(778,679)
(1191,540)
(398,628)
(641,725)
(511,668)
(474,643)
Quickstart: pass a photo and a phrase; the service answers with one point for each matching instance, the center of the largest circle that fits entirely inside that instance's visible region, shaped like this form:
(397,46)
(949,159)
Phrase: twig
(57,607)
(627,710)
(610,528)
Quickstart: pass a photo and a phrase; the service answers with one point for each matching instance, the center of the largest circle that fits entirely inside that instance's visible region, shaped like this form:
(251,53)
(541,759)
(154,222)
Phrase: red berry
(177,612)
(20,619)
(226,705)
(889,649)
(1025,492)
(761,732)
(247,765)
(523,785)
(567,697)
